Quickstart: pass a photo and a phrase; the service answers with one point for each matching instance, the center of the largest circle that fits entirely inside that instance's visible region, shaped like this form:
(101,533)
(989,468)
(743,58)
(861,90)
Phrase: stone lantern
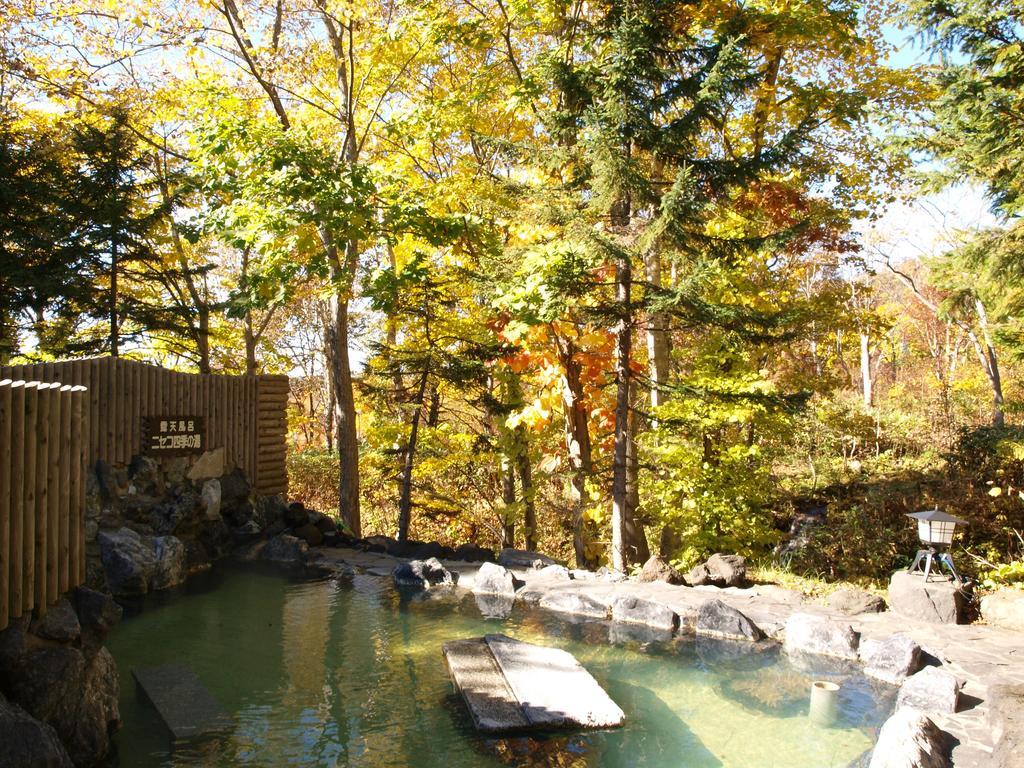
(935,528)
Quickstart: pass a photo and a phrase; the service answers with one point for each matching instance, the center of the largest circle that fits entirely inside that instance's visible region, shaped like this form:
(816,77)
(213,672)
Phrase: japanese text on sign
(173,434)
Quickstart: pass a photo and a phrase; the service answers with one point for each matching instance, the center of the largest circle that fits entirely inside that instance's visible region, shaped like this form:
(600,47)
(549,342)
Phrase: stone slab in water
(510,686)
(477,677)
(186,706)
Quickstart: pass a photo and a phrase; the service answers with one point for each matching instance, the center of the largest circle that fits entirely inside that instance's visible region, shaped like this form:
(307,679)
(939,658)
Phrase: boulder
(211,497)
(698,576)
(325,525)
(524,558)
(169,567)
(493,579)
(310,534)
(423,574)
(296,515)
(891,660)
(935,601)
(1006,713)
(716,619)
(574,602)
(144,476)
(1004,608)
(471,553)
(60,623)
(97,614)
(128,561)
(630,609)
(554,573)
(727,570)
(269,510)
(656,569)
(235,488)
(604,573)
(74,691)
(807,633)
(27,742)
(208,465)
(285,549)
(909,739)
(930,690)
(852,601)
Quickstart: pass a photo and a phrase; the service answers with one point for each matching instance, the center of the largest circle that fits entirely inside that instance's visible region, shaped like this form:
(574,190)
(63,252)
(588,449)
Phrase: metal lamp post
(935,528)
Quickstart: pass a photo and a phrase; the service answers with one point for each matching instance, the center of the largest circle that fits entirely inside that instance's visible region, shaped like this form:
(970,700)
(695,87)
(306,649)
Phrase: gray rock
(128,560)
(493,579)
(211,497)
(630,609)
(296,514)
(310,534)
(727,570)
(555,573)
(60,623)
(169,568)
(855,601)
(144,474)
(656,569)
(235,488)
(909,739)
(698,576)
(1004,608)
(27,742)
(210,464)
(74,691)
(423,574)
(936,601)
(269,510)
(523,558)
(285,549)
(807,633)
(471,553)
(716,619)
(930,690)
(575,602)
(97,613)
(1006,713)
(891,660)
(605,573)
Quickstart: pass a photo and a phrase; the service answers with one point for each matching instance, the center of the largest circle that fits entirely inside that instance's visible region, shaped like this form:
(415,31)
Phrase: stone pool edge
(974,657)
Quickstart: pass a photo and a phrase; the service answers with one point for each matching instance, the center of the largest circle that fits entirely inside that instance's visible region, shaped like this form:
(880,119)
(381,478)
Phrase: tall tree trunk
(405,501)
(346,436)
(990,362)
(623,341)
(865,370)
(578,447)
(113,298)
(637,549)
(508,498)
(525,471)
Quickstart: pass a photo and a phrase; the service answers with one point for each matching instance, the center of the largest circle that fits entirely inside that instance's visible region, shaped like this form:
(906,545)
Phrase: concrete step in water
(186,706)
(509,685)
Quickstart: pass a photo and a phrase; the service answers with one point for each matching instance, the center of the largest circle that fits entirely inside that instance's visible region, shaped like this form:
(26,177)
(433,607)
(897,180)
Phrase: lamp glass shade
(936,531)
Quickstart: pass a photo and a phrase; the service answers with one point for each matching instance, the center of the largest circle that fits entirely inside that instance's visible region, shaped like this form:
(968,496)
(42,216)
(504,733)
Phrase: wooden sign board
(173,435)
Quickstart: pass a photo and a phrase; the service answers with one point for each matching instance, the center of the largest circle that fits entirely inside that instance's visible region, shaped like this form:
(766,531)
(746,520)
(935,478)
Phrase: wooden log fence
(58,419)
(245,415)
(42,494)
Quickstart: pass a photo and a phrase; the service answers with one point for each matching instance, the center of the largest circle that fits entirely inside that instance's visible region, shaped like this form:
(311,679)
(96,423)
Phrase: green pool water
(347,671)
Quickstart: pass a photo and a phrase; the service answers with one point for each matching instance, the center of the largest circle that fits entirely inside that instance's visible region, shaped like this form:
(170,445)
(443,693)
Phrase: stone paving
(979,655)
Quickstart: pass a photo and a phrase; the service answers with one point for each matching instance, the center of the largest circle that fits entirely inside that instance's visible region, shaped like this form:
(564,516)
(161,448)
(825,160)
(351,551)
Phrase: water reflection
(348,671)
